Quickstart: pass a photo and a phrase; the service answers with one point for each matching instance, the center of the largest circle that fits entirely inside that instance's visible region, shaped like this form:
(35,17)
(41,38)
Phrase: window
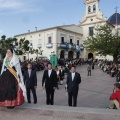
(91,31)
(89,9)
(49,40)
(94,8)
(71,41)
(62,40)
(77,42)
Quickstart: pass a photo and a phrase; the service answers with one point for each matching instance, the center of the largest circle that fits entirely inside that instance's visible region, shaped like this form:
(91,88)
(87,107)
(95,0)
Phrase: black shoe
(12,107)
(8,107)
(29,101)
(35,102)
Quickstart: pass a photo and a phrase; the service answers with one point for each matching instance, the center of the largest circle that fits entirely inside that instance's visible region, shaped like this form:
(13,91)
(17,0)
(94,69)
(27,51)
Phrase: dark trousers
(49,96)
(34,94)
(72,98)
(89,72)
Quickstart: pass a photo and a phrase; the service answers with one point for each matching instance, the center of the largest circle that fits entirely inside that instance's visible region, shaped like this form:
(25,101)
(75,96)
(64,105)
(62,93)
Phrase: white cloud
(10,4)
(18,6)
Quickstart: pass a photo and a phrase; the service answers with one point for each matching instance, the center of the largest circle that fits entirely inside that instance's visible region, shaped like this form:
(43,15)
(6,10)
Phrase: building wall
(42,38)
(92,19)
(67,36)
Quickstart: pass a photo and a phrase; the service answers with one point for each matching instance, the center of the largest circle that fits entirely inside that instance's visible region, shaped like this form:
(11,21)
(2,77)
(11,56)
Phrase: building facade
(64,41)
(67,41)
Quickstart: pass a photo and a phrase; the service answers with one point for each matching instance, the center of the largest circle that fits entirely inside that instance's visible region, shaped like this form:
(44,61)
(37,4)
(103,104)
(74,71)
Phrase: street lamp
(30,47)
(38,50)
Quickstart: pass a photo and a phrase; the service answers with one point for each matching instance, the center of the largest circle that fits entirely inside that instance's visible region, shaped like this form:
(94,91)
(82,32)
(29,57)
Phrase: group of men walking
(50,83)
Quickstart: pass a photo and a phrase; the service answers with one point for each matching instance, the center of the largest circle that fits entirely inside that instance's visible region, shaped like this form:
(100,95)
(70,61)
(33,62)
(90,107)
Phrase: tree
(104,42)
(6,43)
(21,47)
(38,52)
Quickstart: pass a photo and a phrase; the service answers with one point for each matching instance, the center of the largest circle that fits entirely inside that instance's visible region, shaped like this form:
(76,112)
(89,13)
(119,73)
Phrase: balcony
(78,48)
(39,46)
(62,45)
(81,47)
(49,45)
(69,46)
(73,47)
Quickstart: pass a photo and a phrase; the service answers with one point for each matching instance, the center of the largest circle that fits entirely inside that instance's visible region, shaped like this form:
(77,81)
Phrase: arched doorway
(77,55)
(70,54)
(90,55)
(62,54)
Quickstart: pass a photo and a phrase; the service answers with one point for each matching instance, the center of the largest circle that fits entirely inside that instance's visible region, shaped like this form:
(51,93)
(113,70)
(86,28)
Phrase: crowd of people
(19,78)
(114,71)
(110,68)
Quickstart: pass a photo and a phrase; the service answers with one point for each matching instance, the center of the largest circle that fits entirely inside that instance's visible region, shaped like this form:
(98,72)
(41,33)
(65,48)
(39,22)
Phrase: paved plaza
(94,90)
(93,99)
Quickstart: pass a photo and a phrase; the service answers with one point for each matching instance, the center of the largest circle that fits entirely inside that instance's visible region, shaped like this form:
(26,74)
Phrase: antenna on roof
(36,28)
(116,8)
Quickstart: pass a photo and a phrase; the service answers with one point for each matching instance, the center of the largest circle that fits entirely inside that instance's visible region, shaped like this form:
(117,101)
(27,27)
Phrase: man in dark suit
(49,82)
(30,80)
(61,74)
(73,81)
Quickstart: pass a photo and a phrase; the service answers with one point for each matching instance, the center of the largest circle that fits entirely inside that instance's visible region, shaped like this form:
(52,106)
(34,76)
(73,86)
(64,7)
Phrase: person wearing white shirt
(72,86)
(49,82)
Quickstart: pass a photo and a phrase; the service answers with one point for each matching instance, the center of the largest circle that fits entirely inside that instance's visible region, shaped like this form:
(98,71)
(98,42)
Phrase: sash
(13,72)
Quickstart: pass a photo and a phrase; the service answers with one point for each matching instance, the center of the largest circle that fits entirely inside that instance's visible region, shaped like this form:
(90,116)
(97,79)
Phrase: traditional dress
(12,92)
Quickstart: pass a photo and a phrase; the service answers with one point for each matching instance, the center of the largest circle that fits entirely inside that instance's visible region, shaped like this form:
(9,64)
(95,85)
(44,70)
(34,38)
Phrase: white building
(67,41)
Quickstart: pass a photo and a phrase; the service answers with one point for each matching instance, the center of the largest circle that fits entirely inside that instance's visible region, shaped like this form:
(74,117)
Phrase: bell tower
(92,13)
(92,6)
(93,17)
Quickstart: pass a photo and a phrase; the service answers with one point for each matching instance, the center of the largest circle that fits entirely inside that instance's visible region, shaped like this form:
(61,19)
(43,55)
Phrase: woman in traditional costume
(12,89)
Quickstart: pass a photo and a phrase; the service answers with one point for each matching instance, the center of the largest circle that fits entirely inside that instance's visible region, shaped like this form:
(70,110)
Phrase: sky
(19,16)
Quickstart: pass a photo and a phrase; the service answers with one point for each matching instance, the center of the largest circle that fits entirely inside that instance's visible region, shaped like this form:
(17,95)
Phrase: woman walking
(12,89)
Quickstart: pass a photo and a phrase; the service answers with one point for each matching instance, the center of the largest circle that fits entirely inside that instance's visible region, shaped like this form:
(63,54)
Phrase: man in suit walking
(62,73)
(30,80)
(49,82)
(73,81)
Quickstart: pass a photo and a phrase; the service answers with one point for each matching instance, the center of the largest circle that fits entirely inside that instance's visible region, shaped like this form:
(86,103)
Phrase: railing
(49,45)
(39,46)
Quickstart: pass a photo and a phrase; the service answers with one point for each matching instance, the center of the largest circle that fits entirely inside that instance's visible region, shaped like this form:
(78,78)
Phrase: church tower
(91,6)
(93,17)
(92,9)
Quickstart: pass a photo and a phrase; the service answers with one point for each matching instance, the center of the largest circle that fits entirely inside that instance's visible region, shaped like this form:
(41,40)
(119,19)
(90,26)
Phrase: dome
(114,19)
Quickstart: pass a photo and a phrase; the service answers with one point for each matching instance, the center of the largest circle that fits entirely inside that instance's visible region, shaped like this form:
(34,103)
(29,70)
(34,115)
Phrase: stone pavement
(43,112)
(93,99)
(94,90)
